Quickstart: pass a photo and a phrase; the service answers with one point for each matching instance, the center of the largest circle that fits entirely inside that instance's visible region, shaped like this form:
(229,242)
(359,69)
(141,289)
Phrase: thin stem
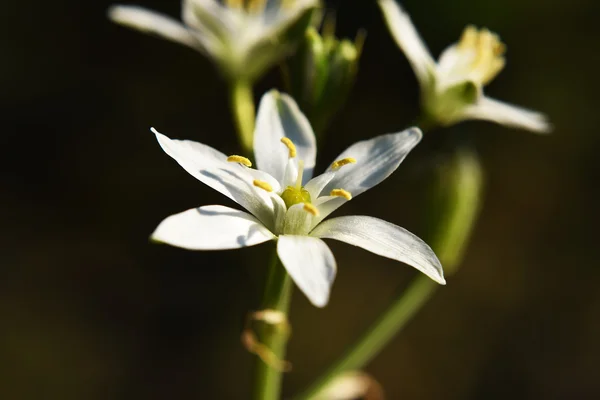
(458,200)
(242,108)
(277,297)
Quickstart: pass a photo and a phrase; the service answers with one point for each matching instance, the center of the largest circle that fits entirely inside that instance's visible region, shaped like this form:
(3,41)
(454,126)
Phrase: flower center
(483,54)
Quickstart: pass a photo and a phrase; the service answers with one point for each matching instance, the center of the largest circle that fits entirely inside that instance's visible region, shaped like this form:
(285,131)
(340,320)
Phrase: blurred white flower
(452,88)
(286,205)
(243,37)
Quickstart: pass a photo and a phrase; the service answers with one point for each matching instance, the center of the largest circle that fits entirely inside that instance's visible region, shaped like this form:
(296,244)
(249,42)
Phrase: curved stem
(242,108)
(382,331)
(277,297)
(458,201)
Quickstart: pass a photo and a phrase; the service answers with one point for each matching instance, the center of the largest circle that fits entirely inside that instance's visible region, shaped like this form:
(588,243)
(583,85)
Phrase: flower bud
(322,73)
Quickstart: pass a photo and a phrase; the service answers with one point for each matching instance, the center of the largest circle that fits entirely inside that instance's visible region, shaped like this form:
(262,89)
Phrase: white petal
(376,159)
(154,23)
(235,181)
(326,205)
(278,117)
(508,114)
(385,239)
(406,36)
(212,228)
(315,185)
(311,265)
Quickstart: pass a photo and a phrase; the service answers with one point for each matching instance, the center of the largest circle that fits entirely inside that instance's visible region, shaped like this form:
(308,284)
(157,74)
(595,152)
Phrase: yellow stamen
(309,208)
(263,185)
(234,3)
(300,174)
(290,145)
(239,159)
(469,37)
(344,161)
(255,6)
(341,193)
(488,51)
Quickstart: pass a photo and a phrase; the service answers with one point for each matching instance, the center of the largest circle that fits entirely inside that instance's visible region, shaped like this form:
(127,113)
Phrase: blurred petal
(508,114)
(212,228)
(278,117)
(406,36)
(311,265)
(385,239)
(154,23)
(235,181)
(375,159)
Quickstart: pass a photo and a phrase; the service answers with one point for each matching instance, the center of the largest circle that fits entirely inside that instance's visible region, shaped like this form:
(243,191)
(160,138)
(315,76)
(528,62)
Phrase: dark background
(89,309)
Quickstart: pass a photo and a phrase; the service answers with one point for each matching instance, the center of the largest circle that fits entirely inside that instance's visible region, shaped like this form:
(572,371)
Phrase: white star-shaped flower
(244,37)
(286,205)
(452,88)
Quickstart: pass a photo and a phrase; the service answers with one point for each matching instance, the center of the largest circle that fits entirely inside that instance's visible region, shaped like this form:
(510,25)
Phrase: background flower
(452,88)
(244,38)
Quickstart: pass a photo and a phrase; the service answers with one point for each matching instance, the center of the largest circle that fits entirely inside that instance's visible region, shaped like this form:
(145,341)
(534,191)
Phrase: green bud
(322,73)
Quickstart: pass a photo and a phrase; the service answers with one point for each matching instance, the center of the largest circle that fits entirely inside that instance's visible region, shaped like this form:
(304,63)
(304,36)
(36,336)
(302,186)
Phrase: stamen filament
(341,193)
(239,159)
(263,185)
(300,174)
(290,145)
(344,161)
(309,208)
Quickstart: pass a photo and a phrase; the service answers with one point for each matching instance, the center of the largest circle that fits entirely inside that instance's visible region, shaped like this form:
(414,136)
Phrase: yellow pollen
(344,161)
(239,159)
(309,208)
(341,193)
(290,145)
(263,185)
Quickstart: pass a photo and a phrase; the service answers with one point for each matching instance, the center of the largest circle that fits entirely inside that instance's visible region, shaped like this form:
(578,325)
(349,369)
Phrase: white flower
(244,37)
(452,88)
(285,205)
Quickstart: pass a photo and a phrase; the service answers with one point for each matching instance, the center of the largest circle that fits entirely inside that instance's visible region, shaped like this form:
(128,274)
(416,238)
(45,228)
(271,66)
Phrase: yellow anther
(344,161)
(240,159)
(309,208)
(256,6)
(290,145)
(263,185)
(341,193)
(234,3)
(469,37)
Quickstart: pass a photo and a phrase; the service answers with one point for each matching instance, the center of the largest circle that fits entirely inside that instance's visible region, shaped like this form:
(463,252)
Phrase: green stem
(382,331)
(458,201)
(243,110)
(277,297)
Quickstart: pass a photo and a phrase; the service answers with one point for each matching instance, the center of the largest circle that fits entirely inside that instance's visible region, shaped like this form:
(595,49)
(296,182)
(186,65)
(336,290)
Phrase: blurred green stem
(277,297)
(457,198)
(243,110)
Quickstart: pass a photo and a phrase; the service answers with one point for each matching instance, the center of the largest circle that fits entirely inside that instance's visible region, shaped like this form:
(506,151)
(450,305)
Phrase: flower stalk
(277,297)
(243,111)
(457,200)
